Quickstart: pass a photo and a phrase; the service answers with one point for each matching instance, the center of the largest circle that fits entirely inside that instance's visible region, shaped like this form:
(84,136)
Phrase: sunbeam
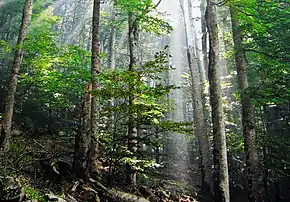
(79,25)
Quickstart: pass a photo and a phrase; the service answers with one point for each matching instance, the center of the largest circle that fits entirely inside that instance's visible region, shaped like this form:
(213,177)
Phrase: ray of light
(76,31)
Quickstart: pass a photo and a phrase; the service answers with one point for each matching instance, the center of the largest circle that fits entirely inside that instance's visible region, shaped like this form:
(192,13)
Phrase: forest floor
(40,169)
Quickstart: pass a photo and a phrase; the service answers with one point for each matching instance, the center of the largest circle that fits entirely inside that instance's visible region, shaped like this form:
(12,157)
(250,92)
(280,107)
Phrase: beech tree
(197,92)
(250,139)
(5,134)
(221,175)
(87,141)
(112,97)
(95,71)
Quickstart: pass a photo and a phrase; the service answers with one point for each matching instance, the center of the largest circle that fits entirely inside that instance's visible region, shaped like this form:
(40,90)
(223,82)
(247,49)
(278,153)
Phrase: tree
(8,112)
(112,57)
(83,142)
(137,19)
(204,33)
(220,148)
(133,65)
(252,158)
(199,117)
(87,142)
(95,82)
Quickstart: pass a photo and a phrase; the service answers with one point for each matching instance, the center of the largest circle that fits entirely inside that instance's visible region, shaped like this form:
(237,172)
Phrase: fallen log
(117,195)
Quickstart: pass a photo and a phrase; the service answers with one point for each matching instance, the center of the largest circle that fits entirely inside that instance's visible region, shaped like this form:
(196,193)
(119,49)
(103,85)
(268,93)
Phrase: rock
(11,189)
(116,195)
(16,132)
(51,197)
(29,169)
(69,198)
(55,170)
(147,193)
(33,200)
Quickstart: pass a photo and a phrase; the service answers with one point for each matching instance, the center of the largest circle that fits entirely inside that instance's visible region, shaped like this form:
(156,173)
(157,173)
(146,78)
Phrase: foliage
(34,194)
(265,28)
(150,106)
(262,23)
(55,75)
(56,69)
(147,22)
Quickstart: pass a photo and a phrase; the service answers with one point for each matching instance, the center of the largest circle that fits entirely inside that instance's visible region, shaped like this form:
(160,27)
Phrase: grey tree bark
(199,118)
(83,138)
(86,159)
(204,34)
(132,130)
(204,64)
(221,175)
(201,111)
(112,58)
(5,134)
(95,70)
(250,143)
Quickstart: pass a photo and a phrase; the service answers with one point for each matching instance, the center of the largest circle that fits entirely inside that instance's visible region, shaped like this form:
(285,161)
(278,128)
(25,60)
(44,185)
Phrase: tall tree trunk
(204,64)
(133,41)
(89,40)
(8,111)
(220,147)
(199,118)
(83,139)
(95,84)
(132,130)
(204,34)
(201,110)
(86,143)
(112,61)
(252,158)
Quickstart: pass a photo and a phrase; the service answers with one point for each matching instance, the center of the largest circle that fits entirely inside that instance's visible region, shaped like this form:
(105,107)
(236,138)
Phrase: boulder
(69,198)
(55,170)
(11,189)
(51,197)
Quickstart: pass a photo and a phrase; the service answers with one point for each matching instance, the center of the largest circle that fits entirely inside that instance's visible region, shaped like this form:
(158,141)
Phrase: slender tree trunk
(133,41)
(204,66)
(132,130)
(83,139)
(220,147)
(112,61)
(8,111)
(63,22)
(252,158)
(199,119)
(95,84)
(204,34)
(86,143)
(201,111)
(89,41)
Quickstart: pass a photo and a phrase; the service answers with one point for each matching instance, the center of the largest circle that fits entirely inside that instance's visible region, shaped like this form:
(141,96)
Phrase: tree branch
(281,59)
(158,3)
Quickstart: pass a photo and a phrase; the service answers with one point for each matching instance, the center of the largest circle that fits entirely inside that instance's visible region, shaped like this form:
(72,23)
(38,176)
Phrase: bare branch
(158,3)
